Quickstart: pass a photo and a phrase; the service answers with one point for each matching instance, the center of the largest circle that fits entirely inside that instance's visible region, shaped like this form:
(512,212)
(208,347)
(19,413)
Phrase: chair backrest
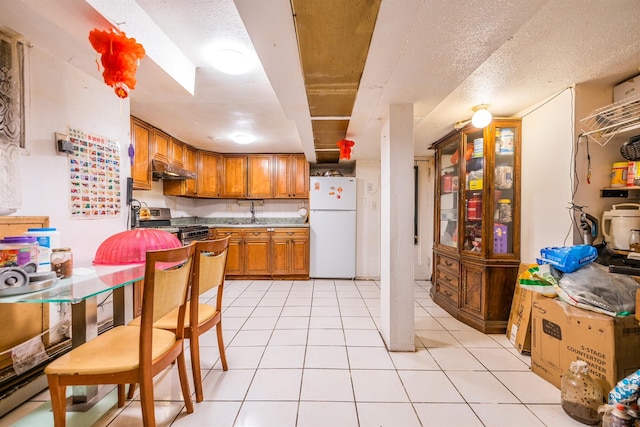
(210,265)
(167,278)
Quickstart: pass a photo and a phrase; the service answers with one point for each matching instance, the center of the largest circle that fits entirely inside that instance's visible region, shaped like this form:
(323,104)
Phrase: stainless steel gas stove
(161,218)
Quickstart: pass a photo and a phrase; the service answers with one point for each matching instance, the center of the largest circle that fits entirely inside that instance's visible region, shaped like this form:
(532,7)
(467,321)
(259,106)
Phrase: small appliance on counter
(618,223)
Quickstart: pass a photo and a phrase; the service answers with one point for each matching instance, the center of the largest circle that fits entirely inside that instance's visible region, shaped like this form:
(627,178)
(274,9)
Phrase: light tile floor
(309,354)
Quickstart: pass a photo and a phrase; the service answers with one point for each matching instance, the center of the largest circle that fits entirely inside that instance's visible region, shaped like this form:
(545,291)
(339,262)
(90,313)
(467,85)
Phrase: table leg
(122,305)
(84,327)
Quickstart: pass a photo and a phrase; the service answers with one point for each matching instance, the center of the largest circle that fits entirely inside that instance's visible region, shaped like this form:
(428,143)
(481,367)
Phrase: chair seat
(170,320)
(113,351)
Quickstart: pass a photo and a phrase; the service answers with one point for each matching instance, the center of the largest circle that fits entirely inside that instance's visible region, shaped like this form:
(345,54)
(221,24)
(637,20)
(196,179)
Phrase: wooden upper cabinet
(161,146)
(234,176)
(300,176)
(291,176)
(176,150)
(259,176)
(190,163)
(183,187)
(208,182)
(141,167)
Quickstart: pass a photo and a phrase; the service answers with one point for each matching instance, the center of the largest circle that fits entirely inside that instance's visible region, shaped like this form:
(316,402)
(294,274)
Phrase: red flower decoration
(120,57)
(345,148)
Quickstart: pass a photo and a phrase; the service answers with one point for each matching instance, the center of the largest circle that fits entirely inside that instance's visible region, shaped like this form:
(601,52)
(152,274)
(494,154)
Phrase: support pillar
(396,229)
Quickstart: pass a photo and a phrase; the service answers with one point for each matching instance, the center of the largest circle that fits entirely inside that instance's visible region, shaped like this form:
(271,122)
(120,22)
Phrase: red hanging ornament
(345,148)
(120,56)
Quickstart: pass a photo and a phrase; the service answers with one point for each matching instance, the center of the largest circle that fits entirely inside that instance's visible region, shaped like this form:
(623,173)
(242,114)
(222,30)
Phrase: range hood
(163,170)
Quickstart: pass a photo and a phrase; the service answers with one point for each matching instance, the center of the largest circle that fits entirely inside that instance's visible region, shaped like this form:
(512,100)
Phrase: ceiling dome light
(242,139)
(231,61)
(481,116)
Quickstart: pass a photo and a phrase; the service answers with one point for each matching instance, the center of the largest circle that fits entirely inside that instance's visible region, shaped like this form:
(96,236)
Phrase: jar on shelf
(504,212)
(581,395)
(62,262)
(474,207)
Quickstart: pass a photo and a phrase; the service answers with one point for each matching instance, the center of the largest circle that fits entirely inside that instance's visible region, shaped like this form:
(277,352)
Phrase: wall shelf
(617,119)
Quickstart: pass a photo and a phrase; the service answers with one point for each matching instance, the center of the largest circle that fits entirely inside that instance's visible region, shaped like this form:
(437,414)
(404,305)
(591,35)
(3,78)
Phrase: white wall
(217,208)
(62,96)
(423,251)
(588,98)
(547,137)
(368,219)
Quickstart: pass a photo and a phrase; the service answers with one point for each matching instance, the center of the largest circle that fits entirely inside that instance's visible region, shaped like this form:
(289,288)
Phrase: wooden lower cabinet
(267,252)
(476,292)
(290,250)
(256,251)
(235,260)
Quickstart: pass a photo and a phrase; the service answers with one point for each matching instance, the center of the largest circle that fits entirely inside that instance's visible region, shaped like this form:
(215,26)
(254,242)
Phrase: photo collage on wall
(94,176)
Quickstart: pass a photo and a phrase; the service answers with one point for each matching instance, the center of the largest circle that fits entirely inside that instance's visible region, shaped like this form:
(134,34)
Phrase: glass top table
(81,291)
(86,282)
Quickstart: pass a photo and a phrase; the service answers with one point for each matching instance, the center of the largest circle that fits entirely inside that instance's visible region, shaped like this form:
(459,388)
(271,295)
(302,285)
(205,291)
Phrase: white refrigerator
(332,221)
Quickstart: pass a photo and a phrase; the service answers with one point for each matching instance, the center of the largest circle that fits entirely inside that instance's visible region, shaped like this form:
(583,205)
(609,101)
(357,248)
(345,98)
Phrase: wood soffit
(333,41)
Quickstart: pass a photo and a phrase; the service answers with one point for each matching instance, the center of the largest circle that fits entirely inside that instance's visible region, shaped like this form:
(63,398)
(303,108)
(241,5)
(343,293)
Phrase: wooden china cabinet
(477,223)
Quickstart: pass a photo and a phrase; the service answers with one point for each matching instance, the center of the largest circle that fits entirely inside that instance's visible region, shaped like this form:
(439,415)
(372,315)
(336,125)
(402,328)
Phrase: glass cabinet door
(448,203)
(474,146)
(503,193)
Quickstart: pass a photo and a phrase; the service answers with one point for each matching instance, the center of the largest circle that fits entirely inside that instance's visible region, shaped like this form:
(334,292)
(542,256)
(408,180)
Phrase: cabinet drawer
(224,232)
(445,277)
(291,232)
(446,263)
(261,233)
(448,292)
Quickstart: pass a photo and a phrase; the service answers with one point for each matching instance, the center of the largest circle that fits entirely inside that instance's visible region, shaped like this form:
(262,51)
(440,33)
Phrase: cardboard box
(561,333)
(519,324)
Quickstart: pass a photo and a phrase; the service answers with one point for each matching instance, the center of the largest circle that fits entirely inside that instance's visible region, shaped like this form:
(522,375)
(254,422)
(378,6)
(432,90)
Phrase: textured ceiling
(443,56)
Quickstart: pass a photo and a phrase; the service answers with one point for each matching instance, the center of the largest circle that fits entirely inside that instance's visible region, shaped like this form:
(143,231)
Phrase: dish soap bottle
(581,395)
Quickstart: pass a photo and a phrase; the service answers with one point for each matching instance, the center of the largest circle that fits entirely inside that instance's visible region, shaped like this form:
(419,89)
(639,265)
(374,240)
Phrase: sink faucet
(253,213)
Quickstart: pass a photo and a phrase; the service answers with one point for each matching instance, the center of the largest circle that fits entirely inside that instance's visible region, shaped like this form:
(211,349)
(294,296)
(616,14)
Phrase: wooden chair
(208,272)
(134,354)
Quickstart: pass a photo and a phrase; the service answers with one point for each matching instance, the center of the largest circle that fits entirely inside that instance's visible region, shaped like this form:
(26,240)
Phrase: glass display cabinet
(477,226)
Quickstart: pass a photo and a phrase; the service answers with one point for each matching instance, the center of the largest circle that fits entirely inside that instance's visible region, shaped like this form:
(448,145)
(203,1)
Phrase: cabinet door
(176,152)
(257,244)
(473,286)
(505,177)
(474,203)
(141,167)
(291,176)
(259,176)
(161,146)
(234,176)
(235,253)
(447,194)
(300,177)
(300,255)
(282,178)
(190,163)
(280,255)
(208,175)
(290,251)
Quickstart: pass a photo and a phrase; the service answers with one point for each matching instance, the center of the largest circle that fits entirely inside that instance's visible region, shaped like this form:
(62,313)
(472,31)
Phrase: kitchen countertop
(242,222)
